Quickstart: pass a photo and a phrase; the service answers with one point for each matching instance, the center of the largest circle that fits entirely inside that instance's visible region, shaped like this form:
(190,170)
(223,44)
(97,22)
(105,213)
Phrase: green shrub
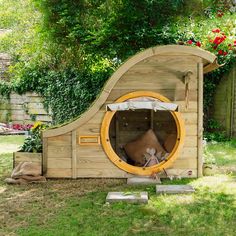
(33,143)
(65,50)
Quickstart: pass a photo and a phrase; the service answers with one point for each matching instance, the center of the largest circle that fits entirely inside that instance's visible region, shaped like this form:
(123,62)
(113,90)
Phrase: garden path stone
(131,197)
(142,181)
(174,189)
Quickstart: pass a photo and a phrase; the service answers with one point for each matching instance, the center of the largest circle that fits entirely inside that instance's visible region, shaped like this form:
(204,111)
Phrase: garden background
(66,50)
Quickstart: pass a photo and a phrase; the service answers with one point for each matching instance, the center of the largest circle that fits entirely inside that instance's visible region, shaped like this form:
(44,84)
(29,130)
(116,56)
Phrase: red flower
(220,13)
(218,40)
(235,43)
(225,53)
(215,47)
(220,52)
(198,43)
(216,30)
(189,42)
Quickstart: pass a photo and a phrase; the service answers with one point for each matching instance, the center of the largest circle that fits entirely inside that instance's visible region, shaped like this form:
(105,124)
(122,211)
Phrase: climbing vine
(76,45)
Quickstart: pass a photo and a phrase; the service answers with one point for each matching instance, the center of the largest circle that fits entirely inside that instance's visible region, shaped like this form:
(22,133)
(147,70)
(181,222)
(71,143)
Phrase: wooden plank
(200,119)
(104,173)
(59,163)
(45,155)
(74,154)
(92,151)
(187,163)
(58,173)
(188,151)
(172,94)
(190,118)
(191,130)
(60,140)
(184,173)
(98,117)
(190,141)
(60,151)
(151,81)
(233,104)
(117,133)
(27,157)
(89,129)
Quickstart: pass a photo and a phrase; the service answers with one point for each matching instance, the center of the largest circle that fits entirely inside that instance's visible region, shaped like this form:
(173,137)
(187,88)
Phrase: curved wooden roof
(209,61)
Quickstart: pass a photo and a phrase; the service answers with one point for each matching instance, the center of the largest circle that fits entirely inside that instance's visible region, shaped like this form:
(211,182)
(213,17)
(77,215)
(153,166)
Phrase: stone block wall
(23,109)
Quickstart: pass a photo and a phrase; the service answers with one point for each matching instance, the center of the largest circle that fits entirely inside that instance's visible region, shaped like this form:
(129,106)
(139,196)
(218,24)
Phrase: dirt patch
(20,203)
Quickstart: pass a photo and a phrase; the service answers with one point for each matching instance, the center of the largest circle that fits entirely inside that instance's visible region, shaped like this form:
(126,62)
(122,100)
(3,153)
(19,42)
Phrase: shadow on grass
(203,213)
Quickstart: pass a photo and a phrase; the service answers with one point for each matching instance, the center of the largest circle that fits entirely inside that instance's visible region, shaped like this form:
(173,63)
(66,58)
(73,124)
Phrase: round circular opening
(121,129)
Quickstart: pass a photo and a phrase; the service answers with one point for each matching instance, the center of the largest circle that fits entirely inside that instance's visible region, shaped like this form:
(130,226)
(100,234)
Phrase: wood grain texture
(155,70)
(26,157)
(200,120)
(58,173)
(74,154)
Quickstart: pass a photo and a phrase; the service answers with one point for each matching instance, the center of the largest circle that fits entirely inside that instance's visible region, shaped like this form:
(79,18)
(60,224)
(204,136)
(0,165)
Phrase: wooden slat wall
(224,108)
(59,156)
(147,75)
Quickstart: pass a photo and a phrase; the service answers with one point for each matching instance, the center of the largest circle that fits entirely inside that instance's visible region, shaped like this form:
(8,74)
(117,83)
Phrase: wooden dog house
(160,89)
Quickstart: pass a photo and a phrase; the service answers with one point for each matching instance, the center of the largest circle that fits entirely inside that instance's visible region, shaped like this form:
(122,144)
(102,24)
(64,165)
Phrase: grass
(77,207)
(224,153)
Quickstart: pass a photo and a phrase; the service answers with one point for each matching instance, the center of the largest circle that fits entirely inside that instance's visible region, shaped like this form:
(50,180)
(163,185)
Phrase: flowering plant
(216,34)
(21,127)
(33,143)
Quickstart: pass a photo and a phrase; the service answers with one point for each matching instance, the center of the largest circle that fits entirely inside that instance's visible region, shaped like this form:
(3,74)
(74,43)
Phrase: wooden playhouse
(159,89)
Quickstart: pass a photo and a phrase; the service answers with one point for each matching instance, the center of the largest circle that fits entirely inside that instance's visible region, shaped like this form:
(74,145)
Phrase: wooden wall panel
(172,94)
(104,173)
(58,173)
(163,75)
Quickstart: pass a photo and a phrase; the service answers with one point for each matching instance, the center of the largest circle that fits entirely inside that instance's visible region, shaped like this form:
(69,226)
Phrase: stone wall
(4,64)
(23,109)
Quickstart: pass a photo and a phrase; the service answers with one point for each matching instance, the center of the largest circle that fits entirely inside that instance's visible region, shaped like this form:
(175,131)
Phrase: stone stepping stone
(132,197)
(142,181)
(174,189)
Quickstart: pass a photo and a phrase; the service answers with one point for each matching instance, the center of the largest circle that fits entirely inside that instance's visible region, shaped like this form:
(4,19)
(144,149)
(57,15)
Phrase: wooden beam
(117,134)
(200,119)
(45,155)
(74,156)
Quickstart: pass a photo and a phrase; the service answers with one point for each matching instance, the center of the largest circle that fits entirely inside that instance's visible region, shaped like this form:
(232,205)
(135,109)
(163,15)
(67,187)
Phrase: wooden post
(74,156)
(232,114)
(117,132)
(200,120)
(45,157)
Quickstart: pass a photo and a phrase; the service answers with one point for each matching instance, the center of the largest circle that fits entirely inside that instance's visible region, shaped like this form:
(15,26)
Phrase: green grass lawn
(224,153)
(77,207)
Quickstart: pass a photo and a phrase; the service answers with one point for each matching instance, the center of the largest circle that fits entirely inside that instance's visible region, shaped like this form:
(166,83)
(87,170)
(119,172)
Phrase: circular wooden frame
(134,169)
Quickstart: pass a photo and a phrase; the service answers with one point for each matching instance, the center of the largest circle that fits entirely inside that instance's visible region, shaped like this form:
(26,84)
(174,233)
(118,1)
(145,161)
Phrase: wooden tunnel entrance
(122,127)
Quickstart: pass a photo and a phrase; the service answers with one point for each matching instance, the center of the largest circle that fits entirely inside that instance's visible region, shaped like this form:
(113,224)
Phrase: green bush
(68,49)
(33,143)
